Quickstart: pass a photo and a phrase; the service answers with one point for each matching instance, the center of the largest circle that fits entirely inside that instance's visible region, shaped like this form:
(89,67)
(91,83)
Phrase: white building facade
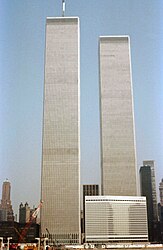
(115,219)
(60,181)
(118,151)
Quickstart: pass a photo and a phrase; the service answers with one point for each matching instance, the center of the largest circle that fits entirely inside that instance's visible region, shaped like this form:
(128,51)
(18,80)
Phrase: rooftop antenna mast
(63,7)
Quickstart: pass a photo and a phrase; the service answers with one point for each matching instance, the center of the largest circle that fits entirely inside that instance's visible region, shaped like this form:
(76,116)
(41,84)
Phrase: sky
(22,52)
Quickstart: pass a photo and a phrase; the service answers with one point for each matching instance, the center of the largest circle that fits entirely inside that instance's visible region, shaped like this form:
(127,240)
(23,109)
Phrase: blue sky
(22,48)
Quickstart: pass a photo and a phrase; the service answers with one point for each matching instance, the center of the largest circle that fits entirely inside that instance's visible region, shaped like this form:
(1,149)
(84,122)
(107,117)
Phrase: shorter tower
(5,206)
(24,213)
(151,163)
(147,184)
(146,190)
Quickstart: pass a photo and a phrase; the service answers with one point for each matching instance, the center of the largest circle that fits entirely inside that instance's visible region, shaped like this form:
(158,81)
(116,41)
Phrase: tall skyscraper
(6,210)
(118,153)
(151,163)
(60,183)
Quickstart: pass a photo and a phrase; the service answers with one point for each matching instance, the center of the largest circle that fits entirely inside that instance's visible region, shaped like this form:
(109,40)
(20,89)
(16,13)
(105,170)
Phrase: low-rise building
(115,218)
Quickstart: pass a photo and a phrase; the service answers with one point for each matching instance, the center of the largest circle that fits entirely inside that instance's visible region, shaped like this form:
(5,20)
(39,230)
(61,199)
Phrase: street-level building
(115,219)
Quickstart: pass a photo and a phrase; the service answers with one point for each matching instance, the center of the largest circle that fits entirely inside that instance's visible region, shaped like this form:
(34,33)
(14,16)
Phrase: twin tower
(60,181)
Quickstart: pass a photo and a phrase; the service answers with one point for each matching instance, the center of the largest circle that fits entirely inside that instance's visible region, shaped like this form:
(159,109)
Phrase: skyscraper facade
(118,153)
(60,183)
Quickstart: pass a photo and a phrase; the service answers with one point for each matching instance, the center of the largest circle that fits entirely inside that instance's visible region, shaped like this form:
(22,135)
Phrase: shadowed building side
(148,189)
(151,163)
